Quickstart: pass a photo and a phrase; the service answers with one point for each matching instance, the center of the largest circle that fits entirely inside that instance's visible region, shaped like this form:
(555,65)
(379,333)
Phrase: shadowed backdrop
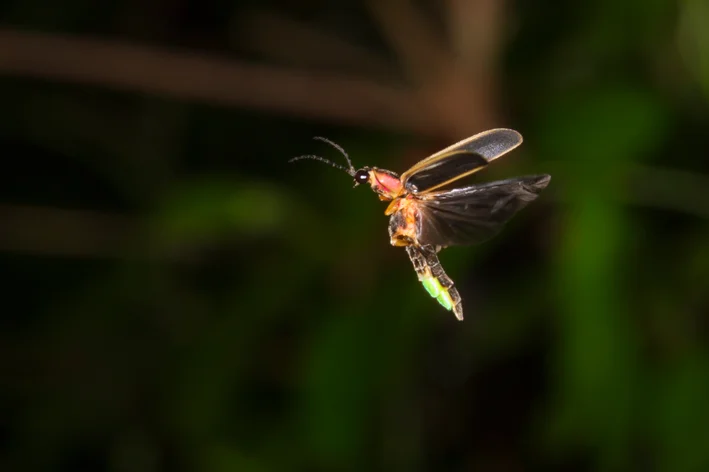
(176,296)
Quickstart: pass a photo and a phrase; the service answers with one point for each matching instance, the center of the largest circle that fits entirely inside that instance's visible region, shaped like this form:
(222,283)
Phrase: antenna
(351,170)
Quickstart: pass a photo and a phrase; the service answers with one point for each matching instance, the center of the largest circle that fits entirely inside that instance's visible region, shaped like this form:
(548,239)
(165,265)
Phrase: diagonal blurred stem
(266,32)
(422,52)
(45,231)
(476,30)
(460,98)
(195,76)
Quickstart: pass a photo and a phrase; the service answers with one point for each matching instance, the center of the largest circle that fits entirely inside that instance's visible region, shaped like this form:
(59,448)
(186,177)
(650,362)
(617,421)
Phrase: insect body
(426,215)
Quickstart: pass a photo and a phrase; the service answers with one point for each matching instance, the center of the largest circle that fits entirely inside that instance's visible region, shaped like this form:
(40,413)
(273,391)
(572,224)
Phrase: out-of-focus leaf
(681,413)
(227,458)
(596,133)
(211,210)
(216,207)
(339,390)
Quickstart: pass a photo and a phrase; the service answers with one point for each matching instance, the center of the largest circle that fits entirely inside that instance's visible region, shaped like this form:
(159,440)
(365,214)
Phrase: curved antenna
(322,159)
(339,148)
(351,170)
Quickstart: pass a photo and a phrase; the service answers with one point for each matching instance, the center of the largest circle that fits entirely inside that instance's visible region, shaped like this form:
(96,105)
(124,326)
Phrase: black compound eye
(361,176)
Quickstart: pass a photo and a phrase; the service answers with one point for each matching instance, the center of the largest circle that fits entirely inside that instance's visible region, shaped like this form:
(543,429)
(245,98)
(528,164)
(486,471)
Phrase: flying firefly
(427,213)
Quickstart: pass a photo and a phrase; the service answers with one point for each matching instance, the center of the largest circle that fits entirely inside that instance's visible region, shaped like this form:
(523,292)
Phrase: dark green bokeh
(250,315)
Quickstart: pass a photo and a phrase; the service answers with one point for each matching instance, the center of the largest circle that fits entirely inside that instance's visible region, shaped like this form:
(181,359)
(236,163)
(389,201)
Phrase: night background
(176,296)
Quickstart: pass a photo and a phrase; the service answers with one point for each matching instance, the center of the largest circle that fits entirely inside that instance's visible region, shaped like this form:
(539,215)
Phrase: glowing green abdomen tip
(434,288)
(445,300)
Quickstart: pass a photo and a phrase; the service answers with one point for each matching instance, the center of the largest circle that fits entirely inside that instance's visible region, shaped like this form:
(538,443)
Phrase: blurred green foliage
(258,319)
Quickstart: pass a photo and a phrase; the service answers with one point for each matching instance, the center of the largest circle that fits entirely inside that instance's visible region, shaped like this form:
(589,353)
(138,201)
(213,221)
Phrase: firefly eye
(361,176)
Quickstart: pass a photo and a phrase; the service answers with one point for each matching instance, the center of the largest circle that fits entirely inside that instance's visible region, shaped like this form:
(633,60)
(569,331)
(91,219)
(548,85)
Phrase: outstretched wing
(471,215)
(459,160)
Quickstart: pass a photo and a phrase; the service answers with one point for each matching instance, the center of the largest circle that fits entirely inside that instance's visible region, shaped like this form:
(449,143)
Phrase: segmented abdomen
(434,279)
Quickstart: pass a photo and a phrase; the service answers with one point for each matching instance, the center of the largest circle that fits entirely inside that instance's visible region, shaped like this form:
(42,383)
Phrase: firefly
(427,212)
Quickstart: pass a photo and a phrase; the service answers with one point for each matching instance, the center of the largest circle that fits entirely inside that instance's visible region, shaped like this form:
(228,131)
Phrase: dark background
(175,296)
